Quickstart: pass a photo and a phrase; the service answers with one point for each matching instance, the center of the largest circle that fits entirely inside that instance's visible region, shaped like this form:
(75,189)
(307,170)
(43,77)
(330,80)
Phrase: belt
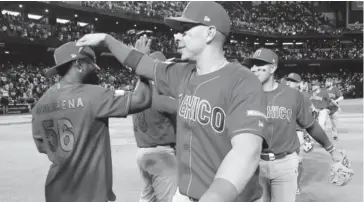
(272,156)
(171,145)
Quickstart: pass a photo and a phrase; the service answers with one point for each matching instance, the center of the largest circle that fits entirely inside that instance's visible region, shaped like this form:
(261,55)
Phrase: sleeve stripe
(129,94)
(309,125)
(155,76)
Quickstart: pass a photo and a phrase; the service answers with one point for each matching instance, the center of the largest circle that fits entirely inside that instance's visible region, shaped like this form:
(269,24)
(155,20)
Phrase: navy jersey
(72,122)
(286,108)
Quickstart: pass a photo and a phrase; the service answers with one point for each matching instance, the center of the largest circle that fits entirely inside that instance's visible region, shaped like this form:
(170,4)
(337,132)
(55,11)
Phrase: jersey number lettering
(59,132)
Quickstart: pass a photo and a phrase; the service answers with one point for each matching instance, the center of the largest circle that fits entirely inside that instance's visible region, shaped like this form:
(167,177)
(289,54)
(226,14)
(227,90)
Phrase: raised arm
(141,98)
(167,76)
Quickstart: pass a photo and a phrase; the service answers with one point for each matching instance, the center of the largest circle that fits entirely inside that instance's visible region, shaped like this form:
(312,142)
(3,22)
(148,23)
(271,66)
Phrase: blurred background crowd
(25,83)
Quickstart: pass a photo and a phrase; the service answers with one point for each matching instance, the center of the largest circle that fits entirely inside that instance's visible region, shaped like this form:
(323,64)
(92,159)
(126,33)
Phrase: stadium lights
(82,24)
(20,6)
(34,17)
(62,21)
(287,43)
(14,13)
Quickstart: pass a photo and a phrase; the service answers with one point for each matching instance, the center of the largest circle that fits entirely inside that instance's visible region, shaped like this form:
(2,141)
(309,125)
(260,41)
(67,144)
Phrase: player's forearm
(334,103)
(339,99)
(320,136)
(141,98)
(235,171)
(140,63)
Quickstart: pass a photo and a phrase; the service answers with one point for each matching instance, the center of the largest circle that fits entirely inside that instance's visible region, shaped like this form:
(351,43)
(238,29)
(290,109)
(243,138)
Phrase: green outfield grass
(23,170)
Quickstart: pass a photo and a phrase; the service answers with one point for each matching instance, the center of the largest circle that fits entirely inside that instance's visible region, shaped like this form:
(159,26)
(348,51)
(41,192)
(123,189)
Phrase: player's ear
(211,32)
(273,69)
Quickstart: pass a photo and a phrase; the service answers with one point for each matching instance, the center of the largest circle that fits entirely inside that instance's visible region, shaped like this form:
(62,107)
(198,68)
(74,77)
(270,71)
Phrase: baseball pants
(158,168)
(322,116)
(300,135)
(334,123)
(279,179)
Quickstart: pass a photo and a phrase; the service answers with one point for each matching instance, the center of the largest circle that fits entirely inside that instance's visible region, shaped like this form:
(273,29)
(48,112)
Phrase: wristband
(133,59)
(330,149)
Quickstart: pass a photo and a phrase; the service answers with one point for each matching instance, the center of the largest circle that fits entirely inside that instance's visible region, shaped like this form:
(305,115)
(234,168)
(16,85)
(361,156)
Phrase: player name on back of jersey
(59,105)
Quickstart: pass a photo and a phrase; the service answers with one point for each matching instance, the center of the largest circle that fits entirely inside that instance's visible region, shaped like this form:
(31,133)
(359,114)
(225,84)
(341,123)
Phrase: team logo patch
(255,113)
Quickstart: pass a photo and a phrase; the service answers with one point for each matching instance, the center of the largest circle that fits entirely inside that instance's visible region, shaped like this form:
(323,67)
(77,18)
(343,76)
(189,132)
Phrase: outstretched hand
(93,40)
(143,44)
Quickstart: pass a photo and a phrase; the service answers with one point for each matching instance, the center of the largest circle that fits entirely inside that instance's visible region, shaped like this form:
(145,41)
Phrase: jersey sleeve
(168,77)
(110,103)
(304,112)
(37,134)
(247,108)
(165,104)
(36,130)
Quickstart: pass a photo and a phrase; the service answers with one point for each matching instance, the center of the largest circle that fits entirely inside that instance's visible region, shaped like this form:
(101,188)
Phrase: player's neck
(270,85)
(71,79)
(210,61)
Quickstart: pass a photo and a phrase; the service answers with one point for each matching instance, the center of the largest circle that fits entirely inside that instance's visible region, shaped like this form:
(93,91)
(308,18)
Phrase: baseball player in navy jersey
(321,101)
(336,95)
(221,106)
(294,81)
(286,108)
(154,131)
(70,125)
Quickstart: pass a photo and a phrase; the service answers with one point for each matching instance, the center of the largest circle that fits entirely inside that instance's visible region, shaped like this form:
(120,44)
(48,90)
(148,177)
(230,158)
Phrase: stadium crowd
(41,30)
(25,84)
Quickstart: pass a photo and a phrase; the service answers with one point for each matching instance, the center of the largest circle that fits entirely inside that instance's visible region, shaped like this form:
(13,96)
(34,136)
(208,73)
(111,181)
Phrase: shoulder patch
(255,113)
(119,92)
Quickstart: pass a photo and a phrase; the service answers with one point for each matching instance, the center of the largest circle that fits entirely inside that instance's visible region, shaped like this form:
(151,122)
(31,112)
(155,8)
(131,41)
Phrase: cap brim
(253,61)
(53,71)
(291,79)
(177,22)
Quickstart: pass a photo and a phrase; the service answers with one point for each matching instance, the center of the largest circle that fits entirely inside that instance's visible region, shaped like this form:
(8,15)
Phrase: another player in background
(221,111)
(294,81)
(155,134)
(321,102)
(337,96)
(70,124)
(286,108)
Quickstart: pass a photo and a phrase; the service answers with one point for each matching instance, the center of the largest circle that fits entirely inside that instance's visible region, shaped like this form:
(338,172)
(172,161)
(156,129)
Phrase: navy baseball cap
(67,53)
(206,13)
(262,56)
(294,77)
